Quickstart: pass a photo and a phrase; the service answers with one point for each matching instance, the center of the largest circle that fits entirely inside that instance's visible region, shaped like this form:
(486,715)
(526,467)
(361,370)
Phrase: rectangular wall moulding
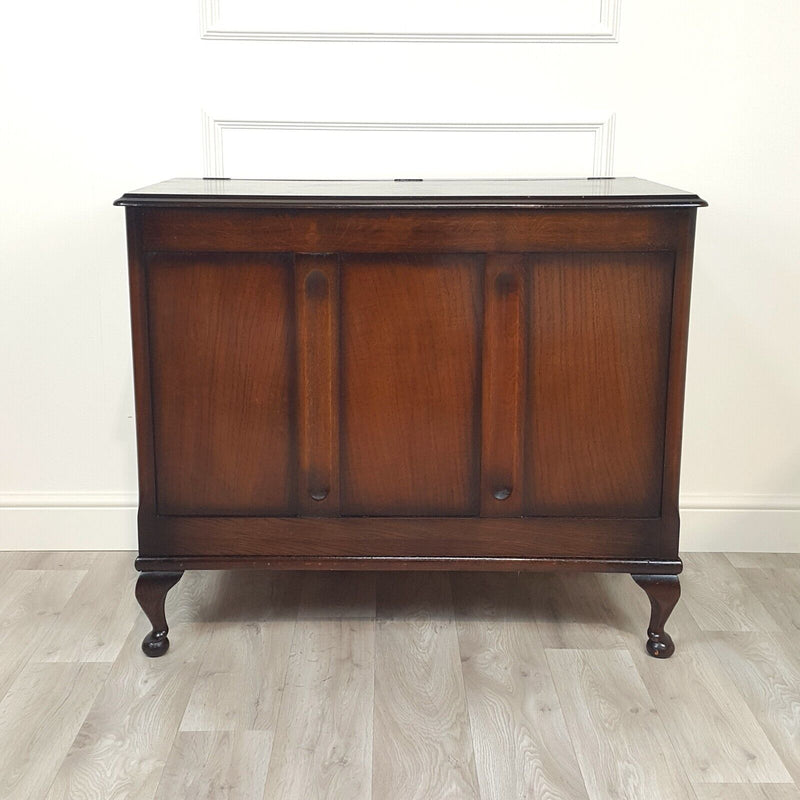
(415,21)
(579,145)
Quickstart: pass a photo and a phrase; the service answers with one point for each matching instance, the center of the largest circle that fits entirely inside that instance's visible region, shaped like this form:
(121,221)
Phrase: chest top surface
(406,193)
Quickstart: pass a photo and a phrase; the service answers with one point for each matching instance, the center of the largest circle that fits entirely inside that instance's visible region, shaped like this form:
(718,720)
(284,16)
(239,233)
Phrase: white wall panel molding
(593,146)
(64,305)
(532,21)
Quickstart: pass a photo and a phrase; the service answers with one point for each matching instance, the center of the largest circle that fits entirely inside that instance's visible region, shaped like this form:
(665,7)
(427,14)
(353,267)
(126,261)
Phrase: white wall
(98,98)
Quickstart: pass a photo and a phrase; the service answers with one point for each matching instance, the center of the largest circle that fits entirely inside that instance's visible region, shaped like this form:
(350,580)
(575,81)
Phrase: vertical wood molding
(603,130)
(606,32)
(679,334)
(505,339)
(317,325)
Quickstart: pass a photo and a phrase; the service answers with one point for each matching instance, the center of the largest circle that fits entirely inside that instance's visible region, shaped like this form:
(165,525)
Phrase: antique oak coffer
(456,375)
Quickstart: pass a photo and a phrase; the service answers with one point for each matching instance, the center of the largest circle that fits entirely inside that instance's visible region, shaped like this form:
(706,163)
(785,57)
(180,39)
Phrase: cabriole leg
(663,591)
(151,592)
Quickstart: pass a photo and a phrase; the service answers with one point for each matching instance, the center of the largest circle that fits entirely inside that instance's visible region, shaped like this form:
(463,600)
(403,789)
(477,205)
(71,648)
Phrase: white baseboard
(107,521)
(68,521)
(740,523)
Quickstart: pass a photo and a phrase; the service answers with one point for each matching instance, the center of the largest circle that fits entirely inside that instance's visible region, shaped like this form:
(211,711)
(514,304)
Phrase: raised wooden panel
(504,368)
(598,364)
(410,384)
(317,316)
(222,362)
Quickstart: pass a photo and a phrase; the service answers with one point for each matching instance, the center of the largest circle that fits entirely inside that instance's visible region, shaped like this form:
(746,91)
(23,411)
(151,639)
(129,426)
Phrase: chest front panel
(399,365)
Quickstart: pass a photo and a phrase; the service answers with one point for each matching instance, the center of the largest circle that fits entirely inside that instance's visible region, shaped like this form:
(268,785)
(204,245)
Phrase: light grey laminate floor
(392,686)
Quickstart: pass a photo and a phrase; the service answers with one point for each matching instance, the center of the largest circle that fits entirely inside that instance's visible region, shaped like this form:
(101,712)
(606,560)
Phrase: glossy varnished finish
(151,592)
(505,337)
(454,376)
(410,385)
(664,592)
(317,309)
(221,355)
(679,334)
(403,537)
(332,230)
(477,193)
(599,345)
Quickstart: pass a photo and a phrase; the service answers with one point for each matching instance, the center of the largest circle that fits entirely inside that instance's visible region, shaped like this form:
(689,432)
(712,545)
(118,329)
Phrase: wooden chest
(482,375)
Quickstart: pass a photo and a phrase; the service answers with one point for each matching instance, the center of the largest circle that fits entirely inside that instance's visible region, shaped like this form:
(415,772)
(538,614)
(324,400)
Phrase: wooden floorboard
(622,745)
(766,669)
(396,686)
(744,791)
(323,737)
(40,716)
(30,604)
(207,765)
(422,739)
(522,747)
(719,598)
(99,609)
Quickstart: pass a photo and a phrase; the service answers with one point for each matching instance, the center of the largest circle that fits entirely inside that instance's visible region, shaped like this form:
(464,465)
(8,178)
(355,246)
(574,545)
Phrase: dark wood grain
(505,346)
(663,591)
(221,354)
(679,336)
(403,380)
(402,537)
(410,385)
(598,376)
(408,231)
(317,315)
(151,592)
(475,193)
(419,564)
(145,445)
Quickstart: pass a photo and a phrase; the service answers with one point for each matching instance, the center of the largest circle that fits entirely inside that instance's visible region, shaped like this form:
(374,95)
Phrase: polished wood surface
(597,388)
(483,539)
(268,687)
(449,376)
(151,592)
(408,230)
(663,592)
(679,334)
(222,380)
(528,192)
(505,336)
(316,280)
(410,385)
